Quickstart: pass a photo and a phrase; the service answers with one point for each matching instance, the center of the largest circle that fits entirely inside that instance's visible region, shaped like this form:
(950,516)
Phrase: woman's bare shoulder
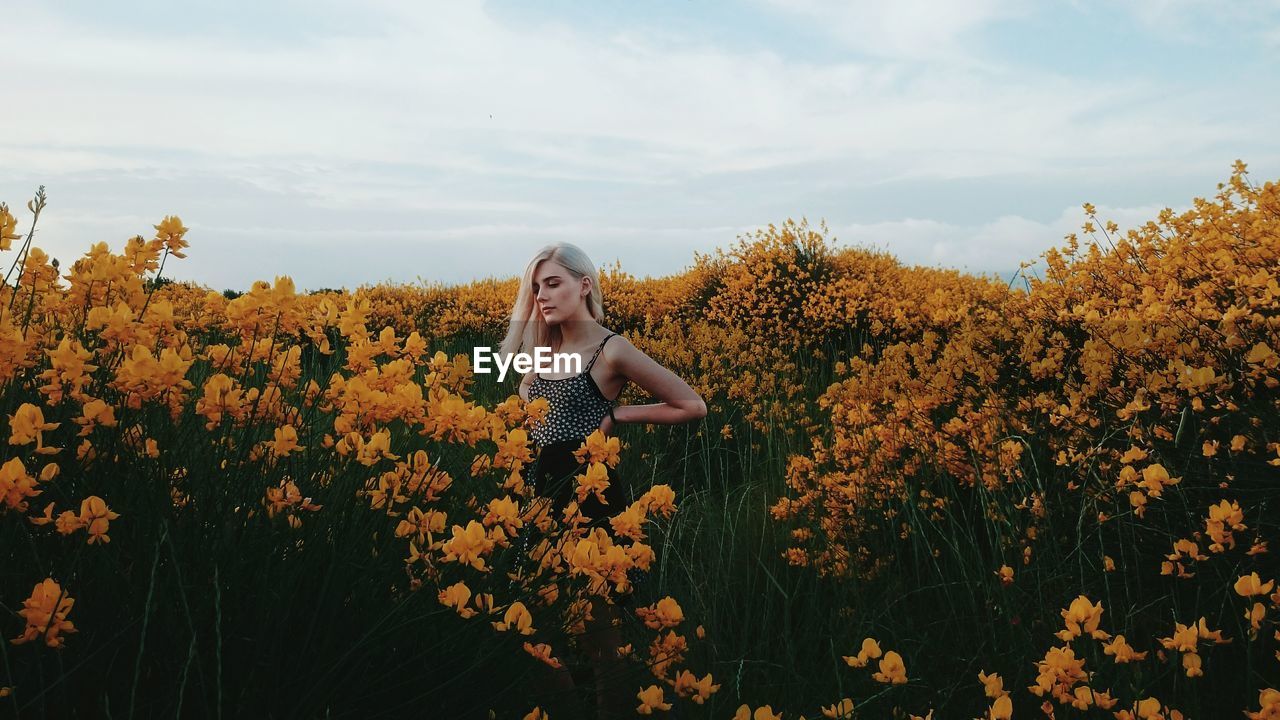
(619,350)
(617,343)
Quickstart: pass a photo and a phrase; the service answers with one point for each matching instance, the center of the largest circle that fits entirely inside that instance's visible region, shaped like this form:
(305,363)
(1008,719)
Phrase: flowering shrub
(1069,486)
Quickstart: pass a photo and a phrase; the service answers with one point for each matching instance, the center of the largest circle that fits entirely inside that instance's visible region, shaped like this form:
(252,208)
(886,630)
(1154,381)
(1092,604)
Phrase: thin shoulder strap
(598,349)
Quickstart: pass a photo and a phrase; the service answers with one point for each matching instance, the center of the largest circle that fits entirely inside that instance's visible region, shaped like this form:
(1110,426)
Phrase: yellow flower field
(917,493)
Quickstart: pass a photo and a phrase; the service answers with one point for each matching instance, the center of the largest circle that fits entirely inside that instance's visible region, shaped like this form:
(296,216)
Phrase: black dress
(576,409)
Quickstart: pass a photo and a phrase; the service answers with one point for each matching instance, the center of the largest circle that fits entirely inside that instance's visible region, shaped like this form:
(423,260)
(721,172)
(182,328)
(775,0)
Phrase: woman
(559,306)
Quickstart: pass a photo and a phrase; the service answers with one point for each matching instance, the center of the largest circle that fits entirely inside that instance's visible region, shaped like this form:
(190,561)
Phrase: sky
(346,144)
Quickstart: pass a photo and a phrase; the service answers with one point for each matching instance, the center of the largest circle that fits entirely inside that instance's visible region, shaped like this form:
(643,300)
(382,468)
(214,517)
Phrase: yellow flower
(95,516)
(1255,615)
(469,545)
(1269,705)
(421,524)
(16,485)
(992,685)
(513,450)
(542,651)
(1184,638)
(518,618)
(503,511)
(842,709)
(456,597)
(1191,663)
(1149,709)
(650,700)
(45,518)
(597,448)
(666,650)
(688,685)
(1005,573)
(764,712)
(666,613)
(630,522)
(1123,652)
(1139,502)
(892,670)
(8,228)
(870,651)
(67,523)
(660,499)
(1223,519)
(286,498)
(1260,353)
(594,482)
(1082,697)
(536,410)
(67,366)
(45,613)
(284,441)
(1082,616)
(94,413)
(1059,671)
(1001,709)
(27,425)
(1102,699)
(1250,585)
(170,231)
(1202,629)
(378,447)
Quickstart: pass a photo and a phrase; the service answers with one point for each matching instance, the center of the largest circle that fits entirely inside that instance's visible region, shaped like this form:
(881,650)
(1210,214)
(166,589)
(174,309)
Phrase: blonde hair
(528,329)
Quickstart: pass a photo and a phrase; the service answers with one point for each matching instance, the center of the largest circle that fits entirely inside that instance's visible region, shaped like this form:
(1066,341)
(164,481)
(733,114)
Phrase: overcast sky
(346,143)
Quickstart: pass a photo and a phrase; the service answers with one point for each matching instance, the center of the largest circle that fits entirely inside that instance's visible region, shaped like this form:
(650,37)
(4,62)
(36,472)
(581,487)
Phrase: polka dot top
(576,405)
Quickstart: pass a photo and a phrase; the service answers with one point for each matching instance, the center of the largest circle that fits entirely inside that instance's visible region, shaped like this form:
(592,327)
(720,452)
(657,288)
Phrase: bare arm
(680,403)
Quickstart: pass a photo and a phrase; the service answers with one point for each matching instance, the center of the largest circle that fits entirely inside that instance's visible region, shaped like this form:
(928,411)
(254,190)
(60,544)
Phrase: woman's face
(556,291)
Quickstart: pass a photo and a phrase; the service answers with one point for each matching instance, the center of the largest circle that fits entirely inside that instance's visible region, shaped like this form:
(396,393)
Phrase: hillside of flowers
(917,493)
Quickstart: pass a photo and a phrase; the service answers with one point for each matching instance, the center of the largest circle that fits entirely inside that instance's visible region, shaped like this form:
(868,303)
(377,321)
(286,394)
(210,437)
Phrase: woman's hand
(606,426)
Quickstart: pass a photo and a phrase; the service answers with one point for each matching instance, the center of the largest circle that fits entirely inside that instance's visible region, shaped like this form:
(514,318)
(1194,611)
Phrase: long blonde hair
(528,329)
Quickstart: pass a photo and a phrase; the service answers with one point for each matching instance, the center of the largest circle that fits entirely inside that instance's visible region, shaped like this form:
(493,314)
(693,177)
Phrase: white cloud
(449,87)
(910,30)
(1187,20)
(998,245)
(432,125)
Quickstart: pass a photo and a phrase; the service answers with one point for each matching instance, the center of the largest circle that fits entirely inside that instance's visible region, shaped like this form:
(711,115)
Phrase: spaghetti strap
(598,349)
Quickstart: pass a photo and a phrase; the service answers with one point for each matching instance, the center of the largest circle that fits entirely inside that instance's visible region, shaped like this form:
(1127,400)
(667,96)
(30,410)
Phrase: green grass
(207,613)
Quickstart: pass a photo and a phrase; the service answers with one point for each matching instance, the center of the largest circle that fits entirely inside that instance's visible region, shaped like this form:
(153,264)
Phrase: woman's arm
(680,403)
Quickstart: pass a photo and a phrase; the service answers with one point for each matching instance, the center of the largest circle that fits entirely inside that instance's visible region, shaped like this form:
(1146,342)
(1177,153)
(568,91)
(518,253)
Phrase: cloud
(995,246)
(907,30)
(1192,21)
(406,128)
(452,88)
